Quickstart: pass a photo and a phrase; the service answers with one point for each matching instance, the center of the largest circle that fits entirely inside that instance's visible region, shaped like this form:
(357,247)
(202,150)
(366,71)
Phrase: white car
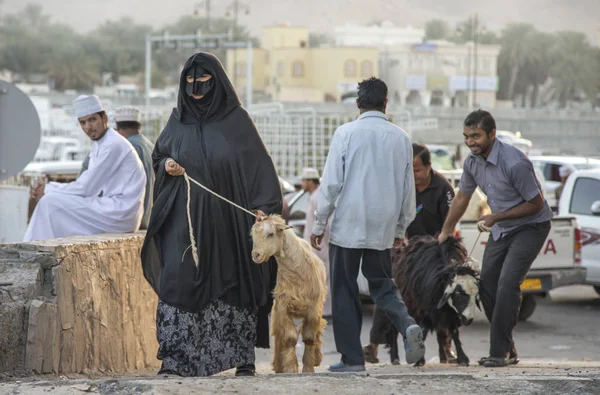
(549,165)
(581,199)
(515,140)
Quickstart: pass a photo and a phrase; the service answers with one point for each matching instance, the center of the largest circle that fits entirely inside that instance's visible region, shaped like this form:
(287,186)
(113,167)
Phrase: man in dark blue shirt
(519,225)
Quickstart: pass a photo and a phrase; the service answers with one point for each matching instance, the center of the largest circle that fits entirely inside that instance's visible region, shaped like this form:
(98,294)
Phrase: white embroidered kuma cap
(309,174)
(128,114)
(87,105)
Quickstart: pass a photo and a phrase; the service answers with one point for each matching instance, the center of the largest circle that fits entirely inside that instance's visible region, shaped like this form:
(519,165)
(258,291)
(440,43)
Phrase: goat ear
(282,227)
(447,292)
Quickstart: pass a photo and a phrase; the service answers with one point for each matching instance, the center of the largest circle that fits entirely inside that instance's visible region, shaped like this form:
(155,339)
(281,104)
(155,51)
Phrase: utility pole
(205,3)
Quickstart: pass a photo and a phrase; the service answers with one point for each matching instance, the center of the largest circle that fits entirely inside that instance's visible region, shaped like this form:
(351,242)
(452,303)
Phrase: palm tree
(518,48)
(436,29)
(535,70)
(574,68)
(72,68)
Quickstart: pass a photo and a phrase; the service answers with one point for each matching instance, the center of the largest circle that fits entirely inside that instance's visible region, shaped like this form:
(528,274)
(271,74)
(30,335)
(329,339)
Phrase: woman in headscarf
(213,300)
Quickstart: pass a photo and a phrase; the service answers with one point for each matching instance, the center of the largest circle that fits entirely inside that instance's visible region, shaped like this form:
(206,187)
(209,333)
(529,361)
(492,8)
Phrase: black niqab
(216,142)
(220,100)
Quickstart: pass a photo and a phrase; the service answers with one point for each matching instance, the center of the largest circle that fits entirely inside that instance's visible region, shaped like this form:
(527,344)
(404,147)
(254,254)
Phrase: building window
(298,69)
(486,65)
(366,68)
(267,57)
(350,68)
(280,69)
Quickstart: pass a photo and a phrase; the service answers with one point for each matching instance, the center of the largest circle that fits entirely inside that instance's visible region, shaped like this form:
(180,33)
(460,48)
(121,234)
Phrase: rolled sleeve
(524,180)
(467,184)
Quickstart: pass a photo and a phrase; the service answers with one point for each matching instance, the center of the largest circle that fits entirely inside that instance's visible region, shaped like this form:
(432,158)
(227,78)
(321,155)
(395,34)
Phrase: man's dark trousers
(505,264)
(345,298)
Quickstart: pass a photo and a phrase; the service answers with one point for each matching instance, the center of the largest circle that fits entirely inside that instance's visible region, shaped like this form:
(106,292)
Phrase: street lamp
(473,28)
(197,6)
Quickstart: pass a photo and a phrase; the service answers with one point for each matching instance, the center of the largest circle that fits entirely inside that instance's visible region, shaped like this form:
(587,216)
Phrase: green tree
(437,29)
(119,46)
(574,67)
(71,68)
(518,49)
(318,39)
(535,70)
(474,30)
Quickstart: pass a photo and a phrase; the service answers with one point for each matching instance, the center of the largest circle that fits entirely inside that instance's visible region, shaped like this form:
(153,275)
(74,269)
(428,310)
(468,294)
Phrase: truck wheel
(597,288)
(528,304)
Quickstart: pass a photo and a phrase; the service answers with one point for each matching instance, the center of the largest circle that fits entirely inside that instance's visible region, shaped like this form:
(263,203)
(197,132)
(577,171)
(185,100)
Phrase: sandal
(497,362)
(168,372)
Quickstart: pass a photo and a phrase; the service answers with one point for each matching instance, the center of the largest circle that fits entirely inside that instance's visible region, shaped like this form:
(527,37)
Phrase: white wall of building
(377,36)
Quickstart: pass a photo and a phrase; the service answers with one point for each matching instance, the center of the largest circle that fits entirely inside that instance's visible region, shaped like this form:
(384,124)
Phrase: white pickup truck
(581,199)
(558,263)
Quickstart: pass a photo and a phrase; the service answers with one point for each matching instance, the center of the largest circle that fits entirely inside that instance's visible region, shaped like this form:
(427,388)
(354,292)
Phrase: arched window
(298,69)
(366,68)
(350,68)
(280,69)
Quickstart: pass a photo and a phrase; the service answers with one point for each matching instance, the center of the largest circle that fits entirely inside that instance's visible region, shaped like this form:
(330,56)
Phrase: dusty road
(564,327)
(559,347)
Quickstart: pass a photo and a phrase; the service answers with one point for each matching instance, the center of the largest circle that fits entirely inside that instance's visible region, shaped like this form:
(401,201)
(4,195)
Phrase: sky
(323,15)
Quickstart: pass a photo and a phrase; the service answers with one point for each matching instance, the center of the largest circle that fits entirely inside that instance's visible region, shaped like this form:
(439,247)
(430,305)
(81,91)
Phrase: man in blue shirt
(434,195)
(519,225)
(368,179)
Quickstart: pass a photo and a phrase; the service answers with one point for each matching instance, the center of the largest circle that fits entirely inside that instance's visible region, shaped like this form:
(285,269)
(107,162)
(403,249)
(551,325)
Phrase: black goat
(439,289)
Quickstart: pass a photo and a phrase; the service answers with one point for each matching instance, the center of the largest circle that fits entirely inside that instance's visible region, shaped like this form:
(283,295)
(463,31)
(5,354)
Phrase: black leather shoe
(245,370)
(168,371)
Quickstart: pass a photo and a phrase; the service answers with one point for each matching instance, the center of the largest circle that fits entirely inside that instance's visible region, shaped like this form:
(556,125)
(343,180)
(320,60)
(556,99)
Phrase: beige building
(441,73)
(286,69)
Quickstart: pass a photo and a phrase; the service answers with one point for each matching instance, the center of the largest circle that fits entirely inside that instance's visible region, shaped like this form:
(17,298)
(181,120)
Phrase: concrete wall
(550,133)
(76,305)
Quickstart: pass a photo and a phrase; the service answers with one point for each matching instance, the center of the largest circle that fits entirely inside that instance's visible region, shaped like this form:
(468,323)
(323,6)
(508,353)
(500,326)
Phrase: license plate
(531,284)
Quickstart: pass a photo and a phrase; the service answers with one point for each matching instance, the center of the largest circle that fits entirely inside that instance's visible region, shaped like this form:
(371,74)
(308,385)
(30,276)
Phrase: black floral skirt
(219,338)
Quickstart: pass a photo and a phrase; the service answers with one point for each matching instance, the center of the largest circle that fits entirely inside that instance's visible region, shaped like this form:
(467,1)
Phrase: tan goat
(299,293)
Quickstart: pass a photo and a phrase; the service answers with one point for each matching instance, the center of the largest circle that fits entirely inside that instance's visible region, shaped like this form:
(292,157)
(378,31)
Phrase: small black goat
(439,289)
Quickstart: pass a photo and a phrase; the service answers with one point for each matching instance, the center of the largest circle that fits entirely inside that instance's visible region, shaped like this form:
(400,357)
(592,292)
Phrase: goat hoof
(395,362)
(464,362)
(369,354)
(420,362)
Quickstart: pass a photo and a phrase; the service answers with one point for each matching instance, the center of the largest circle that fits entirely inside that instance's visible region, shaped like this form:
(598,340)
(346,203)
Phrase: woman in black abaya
(213,312)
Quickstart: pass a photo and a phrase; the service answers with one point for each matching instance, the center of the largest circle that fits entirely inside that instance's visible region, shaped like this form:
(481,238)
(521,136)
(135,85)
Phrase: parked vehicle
(558,263)
(581,199)
(515,139)
(549,165)
(441,158)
